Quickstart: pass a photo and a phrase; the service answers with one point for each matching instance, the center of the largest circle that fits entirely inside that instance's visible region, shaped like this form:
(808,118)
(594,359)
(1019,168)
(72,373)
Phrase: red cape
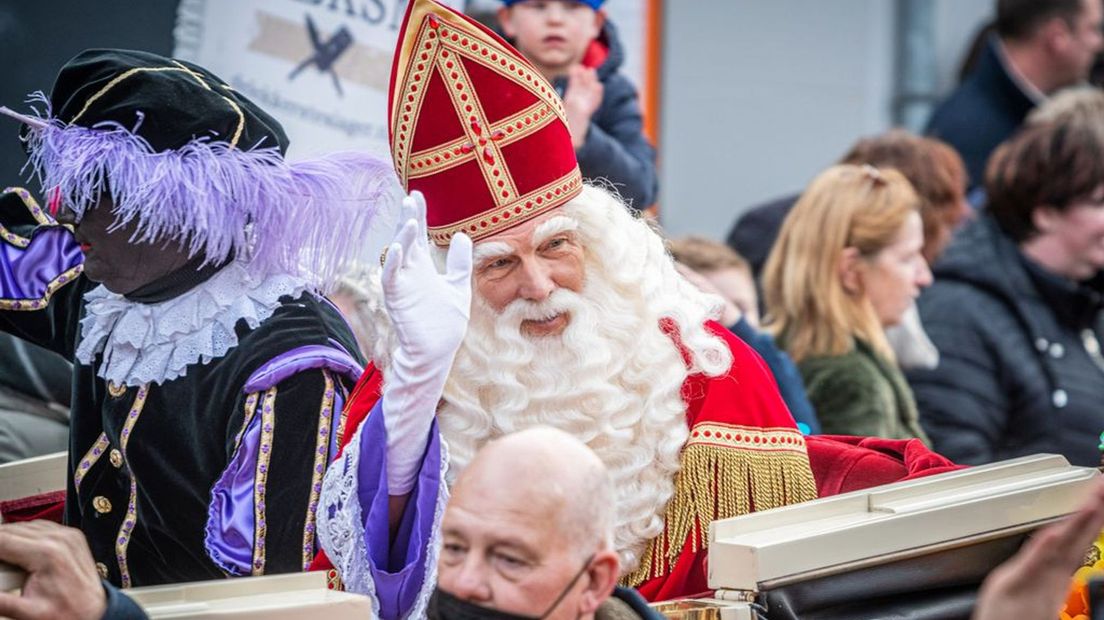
(744,453)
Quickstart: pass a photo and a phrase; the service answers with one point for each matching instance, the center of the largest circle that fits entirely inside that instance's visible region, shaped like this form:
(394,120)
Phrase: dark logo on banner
(325,53)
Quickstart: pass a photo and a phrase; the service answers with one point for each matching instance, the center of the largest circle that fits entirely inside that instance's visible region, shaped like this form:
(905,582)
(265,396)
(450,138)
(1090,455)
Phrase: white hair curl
(613,379)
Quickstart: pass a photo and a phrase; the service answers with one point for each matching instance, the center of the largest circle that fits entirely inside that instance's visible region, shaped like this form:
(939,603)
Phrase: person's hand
(1034,582)
(62,581)
(582,98)
(731,313)
(429,312)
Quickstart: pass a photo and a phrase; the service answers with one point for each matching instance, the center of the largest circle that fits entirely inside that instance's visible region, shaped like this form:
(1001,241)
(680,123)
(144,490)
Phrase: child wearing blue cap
(573,44)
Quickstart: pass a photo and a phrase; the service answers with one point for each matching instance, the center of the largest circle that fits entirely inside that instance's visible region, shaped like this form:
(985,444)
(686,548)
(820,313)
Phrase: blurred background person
(576,47)
(848,264)
(934,169)
(716,268)
(937,174)
(1016,306)
(1039,47)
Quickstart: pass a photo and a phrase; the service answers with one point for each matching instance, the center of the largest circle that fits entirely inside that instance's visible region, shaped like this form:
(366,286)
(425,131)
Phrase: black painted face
(112,259)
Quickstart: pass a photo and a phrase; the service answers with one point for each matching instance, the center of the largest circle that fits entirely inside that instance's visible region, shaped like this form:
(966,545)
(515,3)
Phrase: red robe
(744,454)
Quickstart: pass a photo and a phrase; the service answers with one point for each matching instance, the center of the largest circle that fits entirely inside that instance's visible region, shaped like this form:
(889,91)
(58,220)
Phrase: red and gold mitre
(475,127)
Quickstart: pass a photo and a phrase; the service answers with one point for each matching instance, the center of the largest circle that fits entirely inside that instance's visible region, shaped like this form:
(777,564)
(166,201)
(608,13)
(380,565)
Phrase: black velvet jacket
(144,460)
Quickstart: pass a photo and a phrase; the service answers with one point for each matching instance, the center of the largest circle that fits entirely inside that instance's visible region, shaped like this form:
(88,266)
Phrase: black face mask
(445,606)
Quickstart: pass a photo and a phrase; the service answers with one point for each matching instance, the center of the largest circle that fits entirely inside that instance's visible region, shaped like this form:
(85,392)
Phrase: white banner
(321,67)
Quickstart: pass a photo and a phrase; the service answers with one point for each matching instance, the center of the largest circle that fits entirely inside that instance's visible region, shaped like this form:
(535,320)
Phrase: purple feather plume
(308,218)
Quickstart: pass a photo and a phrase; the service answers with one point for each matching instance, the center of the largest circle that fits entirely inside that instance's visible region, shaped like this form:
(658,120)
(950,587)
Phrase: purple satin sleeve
(399,568)
(230,517)
(26,273)
(331,357)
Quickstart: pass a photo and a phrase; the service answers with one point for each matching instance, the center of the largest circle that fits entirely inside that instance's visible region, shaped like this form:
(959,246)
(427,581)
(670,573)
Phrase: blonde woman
(847,265)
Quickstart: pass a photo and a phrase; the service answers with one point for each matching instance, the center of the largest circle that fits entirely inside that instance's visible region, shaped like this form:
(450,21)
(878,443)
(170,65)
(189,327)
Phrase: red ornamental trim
(479,139)
(440,45)
(515,212)
(462,150)
(747,438)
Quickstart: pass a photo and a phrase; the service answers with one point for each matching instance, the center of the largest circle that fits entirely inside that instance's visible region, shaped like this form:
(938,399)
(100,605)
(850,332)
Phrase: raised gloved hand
(429,313)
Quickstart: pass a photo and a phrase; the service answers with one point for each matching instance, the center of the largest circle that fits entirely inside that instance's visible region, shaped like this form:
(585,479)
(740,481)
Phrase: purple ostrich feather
(308,218)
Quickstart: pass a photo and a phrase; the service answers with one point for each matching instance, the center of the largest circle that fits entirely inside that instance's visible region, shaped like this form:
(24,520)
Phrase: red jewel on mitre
(475,127)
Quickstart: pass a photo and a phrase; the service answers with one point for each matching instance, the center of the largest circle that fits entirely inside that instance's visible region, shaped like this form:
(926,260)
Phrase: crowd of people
(532,404)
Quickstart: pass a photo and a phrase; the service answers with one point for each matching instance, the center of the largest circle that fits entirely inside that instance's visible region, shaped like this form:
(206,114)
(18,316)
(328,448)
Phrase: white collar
(143,343)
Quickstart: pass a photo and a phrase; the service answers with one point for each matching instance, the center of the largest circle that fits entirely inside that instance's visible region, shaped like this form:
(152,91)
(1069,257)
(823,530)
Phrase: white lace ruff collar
(144,343)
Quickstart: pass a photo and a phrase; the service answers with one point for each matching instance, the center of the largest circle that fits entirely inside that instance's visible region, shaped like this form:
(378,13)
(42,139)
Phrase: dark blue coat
(615,148)
(985,110)
(1016,372)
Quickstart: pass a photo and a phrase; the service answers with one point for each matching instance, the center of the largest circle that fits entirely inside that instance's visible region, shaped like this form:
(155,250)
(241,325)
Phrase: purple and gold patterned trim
(268,424)
(339,436)
(32,205)
(247,416)
(321,454)
(131,517)
(94,453)
(37,304)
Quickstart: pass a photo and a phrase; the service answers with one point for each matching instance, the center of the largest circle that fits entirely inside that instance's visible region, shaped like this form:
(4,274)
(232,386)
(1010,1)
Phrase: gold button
(101,568)
(116,458)
(101,504)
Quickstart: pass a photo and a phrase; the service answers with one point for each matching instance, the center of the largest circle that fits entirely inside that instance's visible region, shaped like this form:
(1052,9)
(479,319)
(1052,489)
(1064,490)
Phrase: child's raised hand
(582,98)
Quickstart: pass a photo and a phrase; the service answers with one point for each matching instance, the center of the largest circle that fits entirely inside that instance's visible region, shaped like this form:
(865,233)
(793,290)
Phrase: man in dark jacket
(1015,311)
(1040,46)
(573,44)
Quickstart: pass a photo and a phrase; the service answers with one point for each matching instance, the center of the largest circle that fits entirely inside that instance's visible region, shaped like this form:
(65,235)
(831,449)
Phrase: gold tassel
(716,482)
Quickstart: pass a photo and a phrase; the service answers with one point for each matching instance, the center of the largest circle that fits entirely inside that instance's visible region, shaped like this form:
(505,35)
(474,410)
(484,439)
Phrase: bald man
(528,533)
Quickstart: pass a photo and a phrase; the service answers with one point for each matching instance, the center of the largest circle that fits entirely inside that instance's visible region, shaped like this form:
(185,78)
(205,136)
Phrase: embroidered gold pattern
(51,288)
(440,46)
(247,415)
(344,416)
(321,455)
(89,459)
(528,206)
(268,423)
(333,580)
(724,471)
(131,516)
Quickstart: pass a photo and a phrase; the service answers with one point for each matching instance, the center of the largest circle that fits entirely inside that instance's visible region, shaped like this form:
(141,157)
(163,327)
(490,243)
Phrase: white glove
(429,312)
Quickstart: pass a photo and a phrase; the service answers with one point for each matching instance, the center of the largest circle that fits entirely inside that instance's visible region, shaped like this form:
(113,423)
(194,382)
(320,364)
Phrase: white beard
(613,378)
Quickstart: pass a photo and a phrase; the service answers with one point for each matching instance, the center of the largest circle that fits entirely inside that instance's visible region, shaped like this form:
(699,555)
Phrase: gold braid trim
(719,478)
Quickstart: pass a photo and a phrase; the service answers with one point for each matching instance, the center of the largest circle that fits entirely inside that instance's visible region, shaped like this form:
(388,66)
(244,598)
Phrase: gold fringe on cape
(725,471)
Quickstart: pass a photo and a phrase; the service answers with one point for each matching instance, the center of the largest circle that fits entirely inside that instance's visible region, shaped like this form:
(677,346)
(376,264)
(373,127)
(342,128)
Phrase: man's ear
(506,22)
(1057,34)
(850,271)
(601,578)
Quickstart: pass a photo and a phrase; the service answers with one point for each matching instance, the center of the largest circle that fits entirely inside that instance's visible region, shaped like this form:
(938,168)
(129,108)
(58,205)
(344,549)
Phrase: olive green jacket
(861,393)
